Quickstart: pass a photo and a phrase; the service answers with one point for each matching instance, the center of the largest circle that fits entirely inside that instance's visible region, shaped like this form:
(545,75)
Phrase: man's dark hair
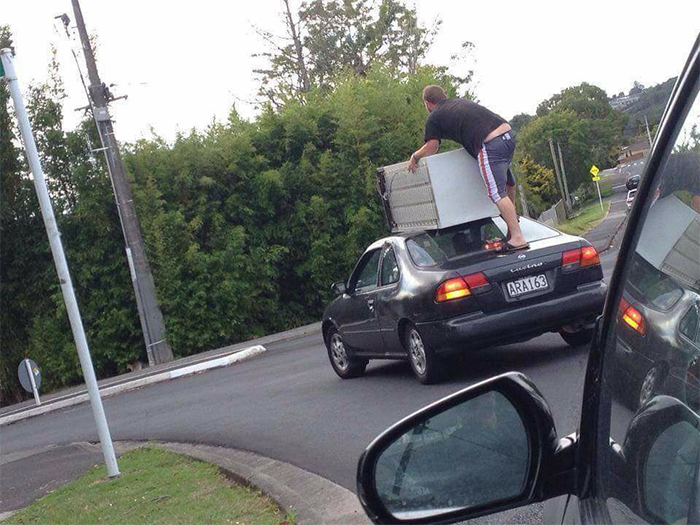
(434,94)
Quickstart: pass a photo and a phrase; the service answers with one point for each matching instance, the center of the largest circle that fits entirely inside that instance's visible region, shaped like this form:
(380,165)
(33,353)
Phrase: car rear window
(469,240)
(652,286)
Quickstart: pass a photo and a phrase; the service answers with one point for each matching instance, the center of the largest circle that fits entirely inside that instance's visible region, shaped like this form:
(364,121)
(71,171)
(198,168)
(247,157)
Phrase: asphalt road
(288,404)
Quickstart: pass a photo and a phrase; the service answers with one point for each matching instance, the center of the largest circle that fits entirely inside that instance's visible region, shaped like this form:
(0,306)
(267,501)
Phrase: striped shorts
(494,159)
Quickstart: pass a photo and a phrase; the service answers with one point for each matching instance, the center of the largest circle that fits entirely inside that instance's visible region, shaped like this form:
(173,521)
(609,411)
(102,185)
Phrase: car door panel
(359,325)
(390,302)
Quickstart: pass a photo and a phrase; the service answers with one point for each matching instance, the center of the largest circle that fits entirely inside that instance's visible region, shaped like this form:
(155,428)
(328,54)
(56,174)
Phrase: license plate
(527,285)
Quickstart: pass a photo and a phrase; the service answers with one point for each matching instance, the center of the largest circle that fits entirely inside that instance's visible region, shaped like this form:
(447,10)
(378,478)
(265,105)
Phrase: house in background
(623,102)
(637,150)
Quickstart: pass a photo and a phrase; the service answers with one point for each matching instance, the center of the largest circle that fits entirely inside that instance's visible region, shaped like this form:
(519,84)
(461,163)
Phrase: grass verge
(588,217)
(155,486)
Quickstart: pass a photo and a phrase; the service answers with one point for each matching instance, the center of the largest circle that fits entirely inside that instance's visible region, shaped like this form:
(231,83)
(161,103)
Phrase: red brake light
(462,286)
(579,258)
(571,259)
(452,289)
(633,318)
(475,280)
(623,305)
(589,256)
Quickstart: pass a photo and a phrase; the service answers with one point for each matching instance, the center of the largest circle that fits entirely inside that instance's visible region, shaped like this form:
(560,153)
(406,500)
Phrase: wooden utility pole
(556,170)
(157,347)
(563,176)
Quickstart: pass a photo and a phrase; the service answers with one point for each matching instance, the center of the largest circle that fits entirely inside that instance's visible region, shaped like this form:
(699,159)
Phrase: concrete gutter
(226,360)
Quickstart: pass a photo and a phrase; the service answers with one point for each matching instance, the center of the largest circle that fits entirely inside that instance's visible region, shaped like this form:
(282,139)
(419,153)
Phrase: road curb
(611,242)
(311,498)
(219,362)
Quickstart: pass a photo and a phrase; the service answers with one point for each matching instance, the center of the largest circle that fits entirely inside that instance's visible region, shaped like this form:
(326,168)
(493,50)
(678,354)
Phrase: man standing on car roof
(486,137)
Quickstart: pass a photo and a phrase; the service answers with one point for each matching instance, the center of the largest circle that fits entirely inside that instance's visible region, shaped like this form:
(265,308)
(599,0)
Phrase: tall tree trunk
(301,65)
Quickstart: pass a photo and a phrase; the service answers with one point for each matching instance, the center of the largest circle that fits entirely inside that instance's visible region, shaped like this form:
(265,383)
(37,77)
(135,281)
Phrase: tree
(326,39)
(637,88)
(582,121)
(539,185)
(520,120)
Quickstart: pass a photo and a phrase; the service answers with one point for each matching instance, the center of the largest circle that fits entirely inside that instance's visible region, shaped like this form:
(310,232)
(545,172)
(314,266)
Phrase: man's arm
(429,148)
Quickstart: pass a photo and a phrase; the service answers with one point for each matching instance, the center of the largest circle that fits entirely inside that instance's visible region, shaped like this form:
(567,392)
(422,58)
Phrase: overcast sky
(183,63)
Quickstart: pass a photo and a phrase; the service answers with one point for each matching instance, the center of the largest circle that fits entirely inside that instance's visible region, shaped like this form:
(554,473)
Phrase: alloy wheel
(648,386)
(338,352)
(416,351)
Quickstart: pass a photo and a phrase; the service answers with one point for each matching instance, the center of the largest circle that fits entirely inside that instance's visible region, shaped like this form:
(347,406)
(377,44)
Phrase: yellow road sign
(596,179)
(594,170)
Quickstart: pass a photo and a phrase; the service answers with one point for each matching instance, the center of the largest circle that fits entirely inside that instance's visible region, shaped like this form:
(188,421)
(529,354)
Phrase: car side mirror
(339,288)
(662,461)
(488,448)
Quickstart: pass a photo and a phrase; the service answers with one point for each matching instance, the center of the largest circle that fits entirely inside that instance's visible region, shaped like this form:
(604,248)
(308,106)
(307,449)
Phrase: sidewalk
(311,498)
(69,395)
(602,235)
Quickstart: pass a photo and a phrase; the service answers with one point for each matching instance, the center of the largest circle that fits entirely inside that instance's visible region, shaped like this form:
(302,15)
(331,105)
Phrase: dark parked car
(420,295)
(633,182)
(493,446)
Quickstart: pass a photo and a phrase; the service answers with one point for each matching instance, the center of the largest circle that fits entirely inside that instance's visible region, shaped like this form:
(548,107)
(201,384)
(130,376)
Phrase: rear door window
(367,272)
(390,268)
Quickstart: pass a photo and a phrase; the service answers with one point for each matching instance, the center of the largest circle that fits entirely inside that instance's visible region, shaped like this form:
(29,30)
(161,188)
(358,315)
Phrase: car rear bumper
(478,329)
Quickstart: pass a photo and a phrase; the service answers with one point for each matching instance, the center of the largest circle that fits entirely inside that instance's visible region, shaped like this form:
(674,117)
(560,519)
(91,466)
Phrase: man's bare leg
(507,209)
(510,191)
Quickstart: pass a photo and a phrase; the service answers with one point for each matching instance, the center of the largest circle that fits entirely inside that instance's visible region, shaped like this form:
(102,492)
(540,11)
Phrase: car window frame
(388,247)
(359,267)
(593,451)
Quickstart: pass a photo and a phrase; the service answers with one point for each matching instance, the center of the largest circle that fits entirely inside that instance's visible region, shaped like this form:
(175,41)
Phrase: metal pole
(28,366)
(59,257)
(646,123)
(150,315)
(600,199)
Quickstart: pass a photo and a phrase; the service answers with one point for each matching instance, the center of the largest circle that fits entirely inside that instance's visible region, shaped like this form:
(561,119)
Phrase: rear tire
(648,386)
(343,363)
(580,338)
(426,365)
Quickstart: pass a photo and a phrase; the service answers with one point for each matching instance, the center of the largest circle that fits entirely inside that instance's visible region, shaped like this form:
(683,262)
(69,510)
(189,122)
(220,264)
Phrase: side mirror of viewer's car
(661,462)
(487,448)
(339,288)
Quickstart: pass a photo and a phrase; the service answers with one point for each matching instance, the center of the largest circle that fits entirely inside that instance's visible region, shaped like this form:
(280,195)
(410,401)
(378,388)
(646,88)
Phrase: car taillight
(634,319)
(452,289)
(462,286)
(579,258)
(477,282)
(589,256)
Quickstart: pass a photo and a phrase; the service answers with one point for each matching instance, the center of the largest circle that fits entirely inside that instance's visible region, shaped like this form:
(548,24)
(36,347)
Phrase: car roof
(399,237)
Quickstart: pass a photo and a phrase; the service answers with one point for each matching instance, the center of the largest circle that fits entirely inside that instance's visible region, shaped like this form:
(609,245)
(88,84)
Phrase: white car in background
(630,198)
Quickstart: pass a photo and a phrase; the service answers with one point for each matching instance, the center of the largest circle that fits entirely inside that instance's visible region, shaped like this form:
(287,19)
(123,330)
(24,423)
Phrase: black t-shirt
(463,121)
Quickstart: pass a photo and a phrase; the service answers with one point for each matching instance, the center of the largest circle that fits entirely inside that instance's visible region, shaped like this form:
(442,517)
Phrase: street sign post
(59,258)
(30,378)
(596,179)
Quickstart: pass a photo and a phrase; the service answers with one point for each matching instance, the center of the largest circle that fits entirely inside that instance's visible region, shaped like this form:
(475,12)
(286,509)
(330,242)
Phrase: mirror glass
(672,484)
(471,454)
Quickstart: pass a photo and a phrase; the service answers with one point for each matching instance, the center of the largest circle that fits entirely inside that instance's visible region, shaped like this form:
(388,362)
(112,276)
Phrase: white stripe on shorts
(492,187)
